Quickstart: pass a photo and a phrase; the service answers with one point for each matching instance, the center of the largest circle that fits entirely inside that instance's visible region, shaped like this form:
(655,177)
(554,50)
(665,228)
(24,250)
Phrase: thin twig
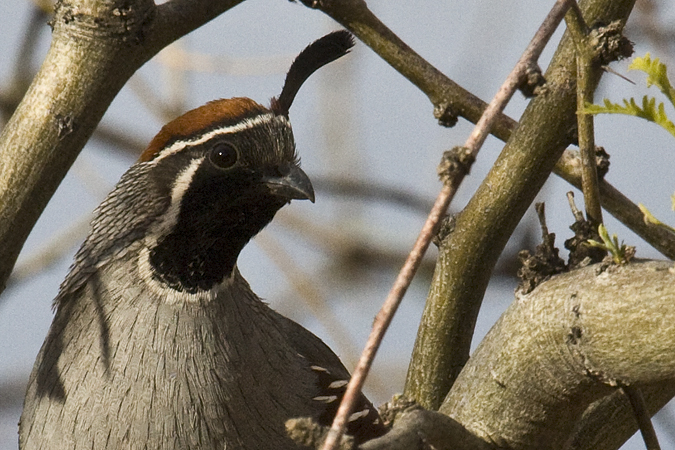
(578,215)
(404,278)
(385,316)
(589,174)
(541,214)
(618,205)
(637,402)
(529,56)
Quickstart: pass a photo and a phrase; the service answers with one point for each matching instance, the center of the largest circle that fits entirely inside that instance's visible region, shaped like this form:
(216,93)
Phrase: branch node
(447,117)
(64,124)
(533,82)
(582,254)
(544,263)
(393,409)
(129,22)
(455,163)
(601,161)
(445,229)
(609,44)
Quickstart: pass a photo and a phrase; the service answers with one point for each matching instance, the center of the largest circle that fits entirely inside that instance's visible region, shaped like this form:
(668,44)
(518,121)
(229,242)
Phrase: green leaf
(620,252)
(657,75)
(648,111)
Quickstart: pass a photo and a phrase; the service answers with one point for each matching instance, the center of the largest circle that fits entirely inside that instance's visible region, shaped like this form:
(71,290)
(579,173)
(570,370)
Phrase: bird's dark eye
(223,155)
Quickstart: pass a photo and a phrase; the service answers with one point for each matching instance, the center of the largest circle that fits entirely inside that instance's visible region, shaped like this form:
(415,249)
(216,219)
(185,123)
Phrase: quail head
(158,342)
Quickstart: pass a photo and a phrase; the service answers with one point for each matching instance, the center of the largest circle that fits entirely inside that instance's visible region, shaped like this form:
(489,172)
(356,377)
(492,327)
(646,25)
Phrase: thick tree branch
(556,351)
(548,374)
(452,174)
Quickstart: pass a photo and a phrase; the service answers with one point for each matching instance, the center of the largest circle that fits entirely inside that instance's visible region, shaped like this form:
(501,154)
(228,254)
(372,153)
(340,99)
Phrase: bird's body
(194,374)
(158,341)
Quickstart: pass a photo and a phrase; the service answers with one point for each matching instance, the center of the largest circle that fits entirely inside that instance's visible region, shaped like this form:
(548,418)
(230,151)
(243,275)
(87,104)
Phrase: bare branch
(620,206)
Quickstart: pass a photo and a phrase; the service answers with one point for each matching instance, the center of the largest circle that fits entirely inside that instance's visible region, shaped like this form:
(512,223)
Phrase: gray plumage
(177,376)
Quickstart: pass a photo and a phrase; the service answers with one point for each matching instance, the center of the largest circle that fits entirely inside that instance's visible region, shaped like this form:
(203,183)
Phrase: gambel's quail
(158,341)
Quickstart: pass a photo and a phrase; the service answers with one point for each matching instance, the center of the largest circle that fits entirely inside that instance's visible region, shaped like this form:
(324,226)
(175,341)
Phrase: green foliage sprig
(656,76)
(621,253)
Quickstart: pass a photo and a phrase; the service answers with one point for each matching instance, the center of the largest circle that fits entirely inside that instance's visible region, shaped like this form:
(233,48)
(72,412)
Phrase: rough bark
(569,343)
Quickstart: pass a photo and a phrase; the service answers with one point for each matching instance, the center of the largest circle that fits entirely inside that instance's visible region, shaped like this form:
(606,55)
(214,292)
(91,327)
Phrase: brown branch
(445,94)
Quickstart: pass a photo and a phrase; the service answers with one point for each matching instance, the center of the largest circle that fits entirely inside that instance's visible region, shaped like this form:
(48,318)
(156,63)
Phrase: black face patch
(222,206)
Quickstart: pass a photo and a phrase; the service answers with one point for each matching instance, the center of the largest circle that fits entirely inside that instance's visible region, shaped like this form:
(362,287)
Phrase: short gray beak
(292,184)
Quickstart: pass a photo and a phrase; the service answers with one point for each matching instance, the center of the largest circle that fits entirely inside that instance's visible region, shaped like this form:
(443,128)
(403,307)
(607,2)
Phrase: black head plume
(317,54)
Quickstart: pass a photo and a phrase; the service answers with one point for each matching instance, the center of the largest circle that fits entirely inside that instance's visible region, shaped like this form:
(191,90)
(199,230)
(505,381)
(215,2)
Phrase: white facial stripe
(158,231)
(171,216)
(241,126)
